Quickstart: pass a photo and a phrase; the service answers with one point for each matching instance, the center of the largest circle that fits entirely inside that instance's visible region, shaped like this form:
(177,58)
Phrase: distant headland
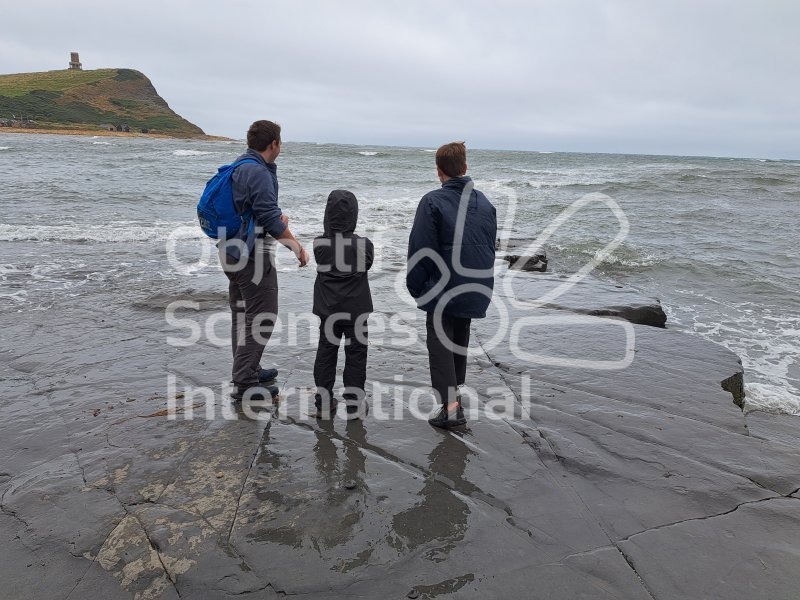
(98,102)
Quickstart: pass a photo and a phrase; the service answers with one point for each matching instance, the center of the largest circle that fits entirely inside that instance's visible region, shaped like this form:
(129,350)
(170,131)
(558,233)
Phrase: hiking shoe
(255,392)
(356,406)
(267,375)
(357,411)
(449,416)
(324,412)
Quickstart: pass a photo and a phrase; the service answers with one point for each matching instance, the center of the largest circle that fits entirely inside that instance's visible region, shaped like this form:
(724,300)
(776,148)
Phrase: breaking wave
(111,232)
(190,153)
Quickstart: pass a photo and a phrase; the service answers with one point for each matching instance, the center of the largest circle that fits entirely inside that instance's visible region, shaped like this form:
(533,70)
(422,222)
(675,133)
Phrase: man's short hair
(452,159)
(261,134)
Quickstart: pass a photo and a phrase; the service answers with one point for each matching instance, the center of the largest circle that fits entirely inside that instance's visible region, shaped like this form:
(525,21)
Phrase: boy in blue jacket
(343,302)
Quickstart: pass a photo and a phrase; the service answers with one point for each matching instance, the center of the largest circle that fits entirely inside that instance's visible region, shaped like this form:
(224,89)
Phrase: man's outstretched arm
(286,237)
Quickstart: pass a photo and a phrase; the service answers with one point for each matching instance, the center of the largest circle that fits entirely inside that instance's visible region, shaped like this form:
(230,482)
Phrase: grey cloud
(714,77)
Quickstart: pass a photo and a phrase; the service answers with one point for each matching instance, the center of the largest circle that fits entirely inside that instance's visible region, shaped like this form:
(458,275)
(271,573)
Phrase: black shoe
(255,392)
(356,406)
(267,375)
(447,419)
(325,413)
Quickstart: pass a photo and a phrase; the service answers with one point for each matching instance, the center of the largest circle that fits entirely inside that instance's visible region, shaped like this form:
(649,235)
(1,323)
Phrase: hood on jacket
(341,213)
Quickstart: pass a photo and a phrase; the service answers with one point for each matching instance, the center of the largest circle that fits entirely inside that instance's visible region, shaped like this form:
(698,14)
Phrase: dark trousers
(355,356)
(448,366)
(253,297)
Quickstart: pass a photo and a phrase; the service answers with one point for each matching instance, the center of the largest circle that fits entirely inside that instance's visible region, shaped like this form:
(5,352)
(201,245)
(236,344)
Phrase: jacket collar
(457,183)
(257,155)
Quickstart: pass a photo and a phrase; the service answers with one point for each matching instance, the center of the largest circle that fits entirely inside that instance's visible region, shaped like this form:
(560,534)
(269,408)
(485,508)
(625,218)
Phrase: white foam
(18,296)
(646,260)
(189,152)
(5,269)
(539,184)
(101,143)
(771,398)
(113,231)
(766,344)
(366,153)
(5,147)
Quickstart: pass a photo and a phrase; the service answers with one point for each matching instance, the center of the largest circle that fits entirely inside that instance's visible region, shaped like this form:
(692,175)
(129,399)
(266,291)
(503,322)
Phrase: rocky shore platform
(625,468)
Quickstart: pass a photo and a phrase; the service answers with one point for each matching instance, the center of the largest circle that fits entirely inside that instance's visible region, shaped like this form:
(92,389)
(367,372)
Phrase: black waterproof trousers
(355,352)
(447,362)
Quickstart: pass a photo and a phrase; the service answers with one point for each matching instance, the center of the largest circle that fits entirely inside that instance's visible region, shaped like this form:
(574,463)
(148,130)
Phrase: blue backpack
(216,209)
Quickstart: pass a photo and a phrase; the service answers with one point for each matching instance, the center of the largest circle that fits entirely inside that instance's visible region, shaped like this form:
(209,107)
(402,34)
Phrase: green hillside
(74,99)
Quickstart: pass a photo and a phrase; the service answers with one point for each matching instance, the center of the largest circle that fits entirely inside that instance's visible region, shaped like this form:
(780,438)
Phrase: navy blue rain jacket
(435,230)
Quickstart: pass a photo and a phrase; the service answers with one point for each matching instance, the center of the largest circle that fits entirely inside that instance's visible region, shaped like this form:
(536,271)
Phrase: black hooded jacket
(343,259)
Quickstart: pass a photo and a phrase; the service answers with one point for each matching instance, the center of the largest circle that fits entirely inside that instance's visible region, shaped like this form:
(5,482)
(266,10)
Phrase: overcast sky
(707,77)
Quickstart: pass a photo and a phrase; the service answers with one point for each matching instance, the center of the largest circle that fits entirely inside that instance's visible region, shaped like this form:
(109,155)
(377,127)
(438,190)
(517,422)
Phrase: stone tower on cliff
(75,62)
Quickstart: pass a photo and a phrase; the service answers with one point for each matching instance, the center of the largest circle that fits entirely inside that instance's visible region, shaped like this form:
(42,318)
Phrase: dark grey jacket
(255,186)
(343,259)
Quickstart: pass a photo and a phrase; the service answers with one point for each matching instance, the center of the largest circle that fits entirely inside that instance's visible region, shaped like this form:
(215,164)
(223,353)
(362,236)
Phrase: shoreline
(104,133)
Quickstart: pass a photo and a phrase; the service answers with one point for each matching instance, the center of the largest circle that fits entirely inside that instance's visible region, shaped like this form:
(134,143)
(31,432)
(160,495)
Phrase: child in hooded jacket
(343,302)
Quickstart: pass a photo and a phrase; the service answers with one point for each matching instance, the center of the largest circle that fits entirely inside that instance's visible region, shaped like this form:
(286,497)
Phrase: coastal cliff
(122,100)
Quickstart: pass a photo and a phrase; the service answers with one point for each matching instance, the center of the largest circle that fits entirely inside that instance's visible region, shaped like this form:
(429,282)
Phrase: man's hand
(287,239)
(302,256)
(284,219)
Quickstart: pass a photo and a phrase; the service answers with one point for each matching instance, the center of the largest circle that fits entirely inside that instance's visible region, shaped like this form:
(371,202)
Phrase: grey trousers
(253,298)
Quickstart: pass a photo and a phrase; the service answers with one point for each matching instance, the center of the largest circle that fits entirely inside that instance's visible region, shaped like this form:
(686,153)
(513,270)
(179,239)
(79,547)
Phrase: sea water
(714,239)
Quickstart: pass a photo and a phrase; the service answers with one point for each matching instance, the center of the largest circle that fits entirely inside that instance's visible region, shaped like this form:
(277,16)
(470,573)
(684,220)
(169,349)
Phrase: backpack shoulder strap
(241,162)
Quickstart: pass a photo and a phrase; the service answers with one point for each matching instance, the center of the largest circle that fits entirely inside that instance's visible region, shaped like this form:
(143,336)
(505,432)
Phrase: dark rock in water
(735,385)
(651,314)
(537,262)
(588,296)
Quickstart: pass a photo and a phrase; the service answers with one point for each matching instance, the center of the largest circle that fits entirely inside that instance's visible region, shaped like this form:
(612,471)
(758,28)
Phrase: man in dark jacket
(451,273)
(247,261)
(343,302)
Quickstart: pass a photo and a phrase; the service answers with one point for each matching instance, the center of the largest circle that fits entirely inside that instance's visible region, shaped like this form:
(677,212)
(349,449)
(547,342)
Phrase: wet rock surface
(535,262)
(639,482)
(591,297)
